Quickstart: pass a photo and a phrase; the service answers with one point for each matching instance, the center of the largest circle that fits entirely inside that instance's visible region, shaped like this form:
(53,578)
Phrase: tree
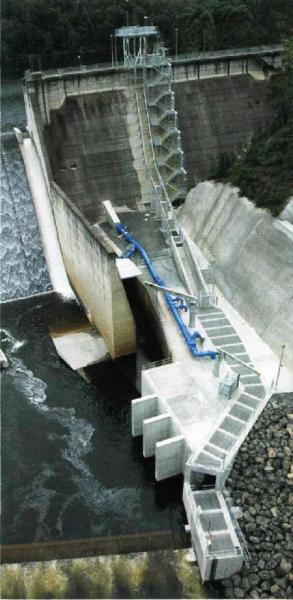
(281,88)
(207,30)
(237,23)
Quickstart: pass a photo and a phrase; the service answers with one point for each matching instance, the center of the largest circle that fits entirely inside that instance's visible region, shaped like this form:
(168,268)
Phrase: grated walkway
(239,417)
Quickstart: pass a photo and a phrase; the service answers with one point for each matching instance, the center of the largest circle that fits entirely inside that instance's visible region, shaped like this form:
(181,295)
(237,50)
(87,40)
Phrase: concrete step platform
(255,390)
(248,400)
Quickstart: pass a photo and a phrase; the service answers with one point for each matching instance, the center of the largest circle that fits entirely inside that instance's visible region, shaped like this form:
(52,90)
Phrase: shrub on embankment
(264,172)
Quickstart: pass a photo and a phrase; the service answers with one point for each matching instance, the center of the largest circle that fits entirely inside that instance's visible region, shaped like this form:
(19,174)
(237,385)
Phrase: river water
(70,466)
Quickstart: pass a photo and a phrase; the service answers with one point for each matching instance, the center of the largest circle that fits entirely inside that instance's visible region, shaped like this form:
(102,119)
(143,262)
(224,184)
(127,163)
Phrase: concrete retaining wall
(90,265)
(253,259)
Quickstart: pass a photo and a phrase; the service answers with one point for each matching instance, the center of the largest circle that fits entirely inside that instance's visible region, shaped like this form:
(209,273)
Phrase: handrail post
(280,365)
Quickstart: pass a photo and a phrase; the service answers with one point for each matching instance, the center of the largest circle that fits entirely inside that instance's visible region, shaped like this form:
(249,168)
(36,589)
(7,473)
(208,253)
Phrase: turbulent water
(70,466)
(23,267)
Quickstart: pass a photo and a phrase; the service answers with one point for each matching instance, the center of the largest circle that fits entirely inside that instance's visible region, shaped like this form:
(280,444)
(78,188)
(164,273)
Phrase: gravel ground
(261,482)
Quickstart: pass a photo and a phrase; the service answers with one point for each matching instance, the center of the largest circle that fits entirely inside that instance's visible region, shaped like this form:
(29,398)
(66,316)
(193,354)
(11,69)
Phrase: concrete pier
(155,429)
(143,408)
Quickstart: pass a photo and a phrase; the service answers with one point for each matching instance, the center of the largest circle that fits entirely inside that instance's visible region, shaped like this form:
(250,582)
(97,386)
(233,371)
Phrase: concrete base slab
(188,391)
(81,349)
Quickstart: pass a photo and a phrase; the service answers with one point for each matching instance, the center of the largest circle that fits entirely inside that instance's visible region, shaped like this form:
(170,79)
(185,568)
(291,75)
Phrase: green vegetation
(62,30)
(265,172)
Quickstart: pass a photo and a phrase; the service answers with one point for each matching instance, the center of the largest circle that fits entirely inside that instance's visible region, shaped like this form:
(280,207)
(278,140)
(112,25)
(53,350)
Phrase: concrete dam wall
(89,259)
(90,154)
(85,127)
(218,115)
(253,259)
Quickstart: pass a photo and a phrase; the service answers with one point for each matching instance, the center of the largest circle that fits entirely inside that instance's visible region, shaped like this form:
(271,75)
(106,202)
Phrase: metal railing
(157,363)
(159,207)
(228,53)
(241,362)
(194,264)
(200,56)
(77,69)
(199,532)
(238,531)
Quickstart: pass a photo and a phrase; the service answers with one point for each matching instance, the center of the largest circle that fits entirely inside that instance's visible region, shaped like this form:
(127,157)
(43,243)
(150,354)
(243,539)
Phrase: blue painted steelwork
(176,304)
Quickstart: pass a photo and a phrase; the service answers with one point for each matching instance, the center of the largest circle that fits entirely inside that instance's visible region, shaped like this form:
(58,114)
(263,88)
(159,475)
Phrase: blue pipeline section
(175,304)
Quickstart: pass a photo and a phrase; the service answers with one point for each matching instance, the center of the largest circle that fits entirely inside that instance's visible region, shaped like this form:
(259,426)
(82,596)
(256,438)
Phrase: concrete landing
(145,228)
(81,349)
(188,391)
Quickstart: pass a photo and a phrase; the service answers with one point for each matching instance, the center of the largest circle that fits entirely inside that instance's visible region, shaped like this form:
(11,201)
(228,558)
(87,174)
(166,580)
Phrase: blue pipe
(171,302)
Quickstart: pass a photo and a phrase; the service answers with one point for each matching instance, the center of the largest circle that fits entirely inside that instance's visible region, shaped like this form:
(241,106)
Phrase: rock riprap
(261,482)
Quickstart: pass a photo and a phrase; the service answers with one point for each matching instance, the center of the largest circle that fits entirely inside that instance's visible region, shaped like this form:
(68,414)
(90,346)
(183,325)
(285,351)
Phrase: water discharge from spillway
(23,266)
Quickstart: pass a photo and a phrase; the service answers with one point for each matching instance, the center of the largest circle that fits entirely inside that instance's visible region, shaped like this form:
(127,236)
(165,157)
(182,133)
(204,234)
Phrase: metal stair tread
(225,432)
(215,450)
(214,458)
(244,398)
(240,404)
(236,418)
(218,447)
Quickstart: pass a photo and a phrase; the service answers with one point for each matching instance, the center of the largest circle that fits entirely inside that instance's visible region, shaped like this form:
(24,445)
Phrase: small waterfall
(164,574)
(23,266)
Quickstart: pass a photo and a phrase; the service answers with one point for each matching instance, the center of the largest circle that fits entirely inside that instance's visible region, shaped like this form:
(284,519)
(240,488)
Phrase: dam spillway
(193,414)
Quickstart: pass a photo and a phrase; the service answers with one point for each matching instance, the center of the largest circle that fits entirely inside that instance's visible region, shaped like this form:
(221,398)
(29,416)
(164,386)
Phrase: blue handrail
(174,304)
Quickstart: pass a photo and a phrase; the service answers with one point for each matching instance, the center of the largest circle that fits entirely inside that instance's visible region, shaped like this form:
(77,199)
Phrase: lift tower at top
(137,43)
(143,53)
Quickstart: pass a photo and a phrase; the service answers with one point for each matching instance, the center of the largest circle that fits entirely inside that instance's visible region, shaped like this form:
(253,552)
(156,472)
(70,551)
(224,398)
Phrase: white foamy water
(23,267)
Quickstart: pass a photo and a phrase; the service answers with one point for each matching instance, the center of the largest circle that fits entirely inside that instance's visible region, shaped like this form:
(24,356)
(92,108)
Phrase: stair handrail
(162,212)
(162,184)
